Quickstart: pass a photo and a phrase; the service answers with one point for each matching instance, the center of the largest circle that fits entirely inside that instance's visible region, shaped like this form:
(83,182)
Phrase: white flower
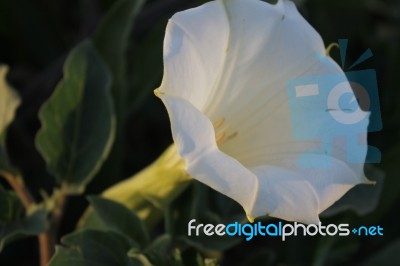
(226,64)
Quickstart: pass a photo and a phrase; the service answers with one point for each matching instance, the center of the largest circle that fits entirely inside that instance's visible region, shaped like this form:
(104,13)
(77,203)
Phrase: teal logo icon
(347,103)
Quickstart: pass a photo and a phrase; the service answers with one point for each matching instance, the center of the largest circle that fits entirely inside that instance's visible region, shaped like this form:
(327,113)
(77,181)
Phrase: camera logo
(346,104)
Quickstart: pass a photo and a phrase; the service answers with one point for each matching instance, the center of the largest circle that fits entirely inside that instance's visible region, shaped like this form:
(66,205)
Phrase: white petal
(194,52)
(194,137)
(254,100)
(268,44)
(298,194)
(206,47)
(232,60)
(288,192)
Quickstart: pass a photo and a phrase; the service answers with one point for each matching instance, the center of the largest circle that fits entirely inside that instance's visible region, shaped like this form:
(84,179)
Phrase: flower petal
(232,60)
(268,44)
(211,62)
(194,52)
(298,194)
(194,137)
(206,47)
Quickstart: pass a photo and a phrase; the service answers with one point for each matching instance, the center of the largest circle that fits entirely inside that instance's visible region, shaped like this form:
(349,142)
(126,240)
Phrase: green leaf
(362,199)
(389,255)
(9,102)
(111,41)
(10,206)
(92,248)
(159,249)
(32,225)
(112,35)
(78,122)
(120,219)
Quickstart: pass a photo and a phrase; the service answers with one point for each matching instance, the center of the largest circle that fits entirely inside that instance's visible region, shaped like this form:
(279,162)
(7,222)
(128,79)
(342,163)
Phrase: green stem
(17,184)
(48,239)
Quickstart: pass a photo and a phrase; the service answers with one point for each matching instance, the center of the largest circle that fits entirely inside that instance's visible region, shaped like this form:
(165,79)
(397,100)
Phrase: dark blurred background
(37,35)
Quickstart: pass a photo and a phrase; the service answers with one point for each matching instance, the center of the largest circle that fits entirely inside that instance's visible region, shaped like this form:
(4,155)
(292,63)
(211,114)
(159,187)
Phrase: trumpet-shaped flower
(226,65)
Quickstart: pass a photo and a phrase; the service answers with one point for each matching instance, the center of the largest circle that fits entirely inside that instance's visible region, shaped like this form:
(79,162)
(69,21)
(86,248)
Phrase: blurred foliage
(9,102)
(123,40)
(148,192)
(78,121)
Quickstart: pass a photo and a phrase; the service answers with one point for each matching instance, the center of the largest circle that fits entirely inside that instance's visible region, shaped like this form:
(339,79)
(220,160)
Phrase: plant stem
(47,239)
(46,248)
(18,185)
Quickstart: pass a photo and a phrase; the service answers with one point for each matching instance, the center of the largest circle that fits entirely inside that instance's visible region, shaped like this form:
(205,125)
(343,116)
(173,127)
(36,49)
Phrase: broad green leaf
(9,102)
(78,123)
(111,41)
(120,219)
(66,256)
(112,35)
(159,249)
(32,225)
(92,248)
(10,206)
(362,199)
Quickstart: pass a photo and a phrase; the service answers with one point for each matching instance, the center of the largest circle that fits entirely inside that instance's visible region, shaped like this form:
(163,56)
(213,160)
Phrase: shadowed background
(37,35)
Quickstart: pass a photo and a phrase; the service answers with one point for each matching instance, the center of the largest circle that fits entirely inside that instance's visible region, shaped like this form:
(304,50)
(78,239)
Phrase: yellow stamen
(219,123)
(220,133)
(220,137)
